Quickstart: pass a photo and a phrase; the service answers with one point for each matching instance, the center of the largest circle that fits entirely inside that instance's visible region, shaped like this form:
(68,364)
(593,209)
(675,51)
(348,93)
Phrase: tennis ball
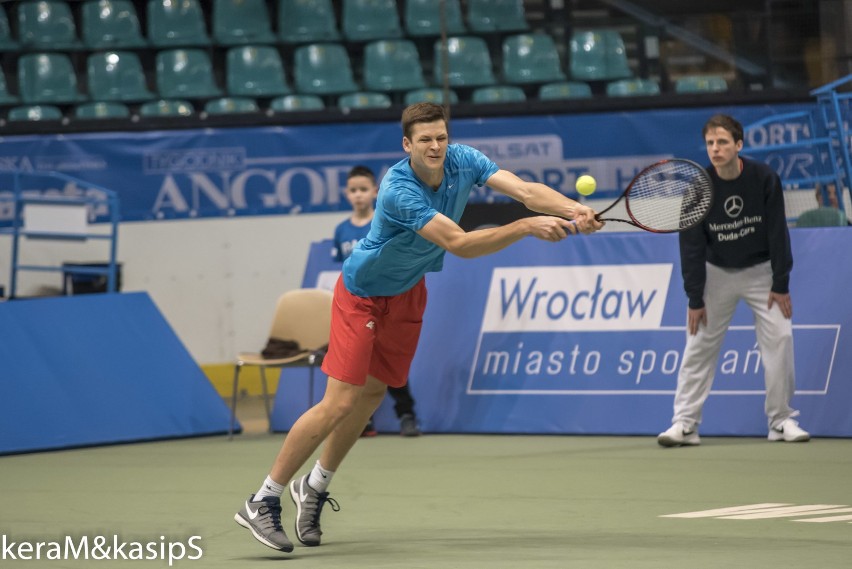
(586,185)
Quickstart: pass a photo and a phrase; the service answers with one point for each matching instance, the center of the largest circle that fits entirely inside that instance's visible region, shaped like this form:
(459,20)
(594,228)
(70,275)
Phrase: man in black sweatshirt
(740,252)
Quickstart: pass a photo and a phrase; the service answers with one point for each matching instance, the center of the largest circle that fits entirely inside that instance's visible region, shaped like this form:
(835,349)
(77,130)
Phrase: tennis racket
(666,197)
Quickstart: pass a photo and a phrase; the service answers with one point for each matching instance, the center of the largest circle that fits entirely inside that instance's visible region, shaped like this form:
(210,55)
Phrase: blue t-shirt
(346,235)
(393,258)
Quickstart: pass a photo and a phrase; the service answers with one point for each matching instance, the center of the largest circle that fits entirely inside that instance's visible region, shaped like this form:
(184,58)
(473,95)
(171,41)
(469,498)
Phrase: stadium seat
(167,108)
(323,69)
(306,21)
(498,94)
(485,16)
(423,18)
(429,95)
(110,24)
(632,88)
(35,113)
(469,62)
(7,42)
(47,24)
(392,65)
(598,55)
(173,23)
(255,71)
(237,22)
(822,217)
(531,58)
(367,20)
(117,76)
(297,103)
(185,74)
(565,90)
(364,100)
(47,78)
(6,98)
(102,110)
(231,105)
(701,84)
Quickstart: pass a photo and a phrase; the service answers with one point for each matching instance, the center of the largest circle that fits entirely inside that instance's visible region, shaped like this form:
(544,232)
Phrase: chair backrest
(7,42)
(364,100)
(531,58)
(167,108)
(110,24)
(822,217)
(255,71)
(306,21)
(498,94)
(5,97)
(231,105)
(423,18)
(323,69)
(102,110)
(47,78)
(47,24)
(35,113)
(238,22)
(367,20)
(116,76)
(392,65)
(174,23)
(304,316)
(297,103)
(469,62)
(701,84)
(598,55)
(496,16)
(632,88)
(185,74)
(565,90)
(429,95)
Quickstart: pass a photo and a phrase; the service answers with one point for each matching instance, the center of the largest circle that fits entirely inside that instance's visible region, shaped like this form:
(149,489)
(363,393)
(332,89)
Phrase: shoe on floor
(790,432)
(677,435)
(309,505)
(263,519)
(408,426)
(369,430)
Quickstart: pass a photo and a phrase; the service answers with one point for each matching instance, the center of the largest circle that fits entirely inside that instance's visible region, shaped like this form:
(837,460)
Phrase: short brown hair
(421,112)
(362,171)
(729,123)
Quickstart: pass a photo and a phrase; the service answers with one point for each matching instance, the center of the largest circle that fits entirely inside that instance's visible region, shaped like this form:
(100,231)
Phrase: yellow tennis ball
(586,185)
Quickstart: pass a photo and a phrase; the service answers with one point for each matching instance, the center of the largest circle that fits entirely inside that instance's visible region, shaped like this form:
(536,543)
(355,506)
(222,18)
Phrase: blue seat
(498,94)
(564,90)
(176,23)
(392,65)
(632,88)
(323,69)
(102,110)
(237,22)
(297,103)
(701,84)
(35,113)
(111,24)
(7,42)
(531,58)
(367,20)
(469,62)
(117,76)
(47,78)
(306,21)
(6,98)
(167,108)
(255,71)
(185,74)
(47,24)
(423,18)
(822,217)
(364,100)
(231,105)
(485,16)
(598,55)
(429,95)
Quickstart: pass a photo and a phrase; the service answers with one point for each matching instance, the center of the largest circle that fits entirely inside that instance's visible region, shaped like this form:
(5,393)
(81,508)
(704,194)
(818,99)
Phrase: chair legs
(237,369)
(265,397)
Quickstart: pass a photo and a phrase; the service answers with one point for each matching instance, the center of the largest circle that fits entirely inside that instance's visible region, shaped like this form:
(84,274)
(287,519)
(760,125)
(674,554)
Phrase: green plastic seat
(392,65)
(469,62)
(255,71)
(364,100)
(110,24)
(632,88)
(231,106)
(167,108)
(429,95)
(238,22)
(531,58)
(35,113)
(323,69)
(701,84)
(116,76)
(485,16)
(6,98)
(822,217)
(176,23)
(306,21)
(102,110)
(47,24)
(598,55)
(297,103)
(47,78)
(185,74)
(564,90)
(7,42)
(423,18)
(367,20)
(498,94)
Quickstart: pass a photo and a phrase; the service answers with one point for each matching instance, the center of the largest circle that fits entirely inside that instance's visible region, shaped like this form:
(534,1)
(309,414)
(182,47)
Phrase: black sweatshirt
(747,225)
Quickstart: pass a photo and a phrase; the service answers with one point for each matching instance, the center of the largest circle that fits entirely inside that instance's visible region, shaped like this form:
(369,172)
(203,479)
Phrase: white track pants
(723,290)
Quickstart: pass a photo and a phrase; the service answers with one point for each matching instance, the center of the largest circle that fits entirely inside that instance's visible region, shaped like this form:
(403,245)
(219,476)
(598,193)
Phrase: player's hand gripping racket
(666,197)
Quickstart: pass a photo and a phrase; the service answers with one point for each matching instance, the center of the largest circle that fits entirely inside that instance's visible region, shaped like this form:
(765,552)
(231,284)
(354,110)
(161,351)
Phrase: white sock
(320,478)
(269,488)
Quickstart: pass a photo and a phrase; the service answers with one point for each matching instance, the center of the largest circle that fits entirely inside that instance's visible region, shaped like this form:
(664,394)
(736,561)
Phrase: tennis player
(740,252)
(379,302)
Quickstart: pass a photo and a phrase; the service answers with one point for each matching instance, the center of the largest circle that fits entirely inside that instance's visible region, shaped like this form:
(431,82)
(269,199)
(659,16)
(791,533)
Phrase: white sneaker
(790,432)
(677,435)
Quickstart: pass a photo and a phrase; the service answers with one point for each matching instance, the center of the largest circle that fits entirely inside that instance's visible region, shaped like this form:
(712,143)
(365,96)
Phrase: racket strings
(670,196)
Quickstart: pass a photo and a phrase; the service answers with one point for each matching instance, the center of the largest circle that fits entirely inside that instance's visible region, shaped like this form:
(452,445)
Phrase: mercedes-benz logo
(734,206)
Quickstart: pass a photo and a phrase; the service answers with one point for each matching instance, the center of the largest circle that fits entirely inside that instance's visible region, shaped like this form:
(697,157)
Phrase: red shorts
(375,335)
